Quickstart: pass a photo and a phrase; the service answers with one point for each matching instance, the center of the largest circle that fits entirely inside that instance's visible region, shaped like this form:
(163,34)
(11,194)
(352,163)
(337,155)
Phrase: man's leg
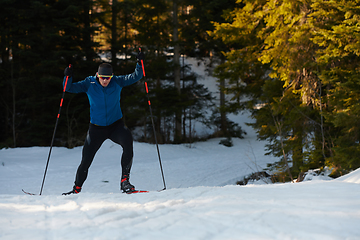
(121,135)
(94,139)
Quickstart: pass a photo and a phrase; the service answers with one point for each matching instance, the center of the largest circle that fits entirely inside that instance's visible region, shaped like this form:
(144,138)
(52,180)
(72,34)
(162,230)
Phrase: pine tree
(197,25)
(336,33)
(312,48)
(41,39)
(273,37)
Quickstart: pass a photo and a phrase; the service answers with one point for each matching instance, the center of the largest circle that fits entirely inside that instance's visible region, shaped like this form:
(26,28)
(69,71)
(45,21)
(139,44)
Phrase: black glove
(68,71)
(140,57)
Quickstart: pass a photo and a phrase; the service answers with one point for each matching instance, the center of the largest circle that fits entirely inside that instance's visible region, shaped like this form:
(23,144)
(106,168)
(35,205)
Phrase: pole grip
(142,63)
(67,77)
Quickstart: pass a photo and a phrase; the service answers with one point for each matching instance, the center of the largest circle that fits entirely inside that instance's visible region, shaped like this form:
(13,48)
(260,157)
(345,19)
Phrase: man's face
(104,80)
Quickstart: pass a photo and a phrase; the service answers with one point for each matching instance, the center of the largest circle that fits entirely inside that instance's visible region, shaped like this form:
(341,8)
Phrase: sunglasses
(105,77)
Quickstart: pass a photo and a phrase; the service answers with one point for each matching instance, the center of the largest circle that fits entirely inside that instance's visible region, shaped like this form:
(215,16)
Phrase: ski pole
(53,137)
(152,121)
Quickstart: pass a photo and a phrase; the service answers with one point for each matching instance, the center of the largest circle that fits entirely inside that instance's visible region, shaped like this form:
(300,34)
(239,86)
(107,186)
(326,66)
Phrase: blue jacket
(104,101)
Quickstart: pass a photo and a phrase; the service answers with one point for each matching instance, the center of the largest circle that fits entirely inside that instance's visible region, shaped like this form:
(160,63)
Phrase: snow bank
(353,177)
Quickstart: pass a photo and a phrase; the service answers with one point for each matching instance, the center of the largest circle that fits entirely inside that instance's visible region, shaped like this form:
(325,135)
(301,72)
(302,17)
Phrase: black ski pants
(118,133)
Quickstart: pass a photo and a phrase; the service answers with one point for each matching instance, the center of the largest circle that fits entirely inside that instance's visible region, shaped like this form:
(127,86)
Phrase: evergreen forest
(294,64)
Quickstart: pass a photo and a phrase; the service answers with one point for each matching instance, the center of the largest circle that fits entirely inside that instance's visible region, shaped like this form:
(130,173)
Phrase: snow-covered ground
(201,200)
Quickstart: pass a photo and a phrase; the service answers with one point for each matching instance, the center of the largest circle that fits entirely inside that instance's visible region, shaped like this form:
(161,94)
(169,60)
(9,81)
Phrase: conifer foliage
(303,58)
(39,38)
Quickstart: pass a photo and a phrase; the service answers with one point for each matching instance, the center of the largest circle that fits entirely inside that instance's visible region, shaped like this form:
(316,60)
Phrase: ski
(137,191)
(142,191)
(68,193)
(28,193)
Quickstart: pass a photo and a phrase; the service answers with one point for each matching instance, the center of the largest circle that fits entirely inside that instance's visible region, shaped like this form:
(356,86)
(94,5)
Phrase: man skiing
(103,91)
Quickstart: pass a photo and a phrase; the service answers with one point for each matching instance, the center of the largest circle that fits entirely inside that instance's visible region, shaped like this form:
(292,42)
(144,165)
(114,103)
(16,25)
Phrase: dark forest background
(293,64)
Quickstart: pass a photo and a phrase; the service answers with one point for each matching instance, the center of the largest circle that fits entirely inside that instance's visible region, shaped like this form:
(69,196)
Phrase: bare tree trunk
(176,70)
(87,36)
(14,102)
(114,49)
(223,119)
(279,128)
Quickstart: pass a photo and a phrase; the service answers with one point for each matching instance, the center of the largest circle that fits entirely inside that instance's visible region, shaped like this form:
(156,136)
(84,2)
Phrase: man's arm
(78,87)
(126,80)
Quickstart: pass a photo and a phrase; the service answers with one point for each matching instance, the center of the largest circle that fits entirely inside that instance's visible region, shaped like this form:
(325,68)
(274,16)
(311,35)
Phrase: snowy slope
(200,202)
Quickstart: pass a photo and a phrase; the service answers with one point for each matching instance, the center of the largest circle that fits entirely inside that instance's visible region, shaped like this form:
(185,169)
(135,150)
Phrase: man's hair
(105,69)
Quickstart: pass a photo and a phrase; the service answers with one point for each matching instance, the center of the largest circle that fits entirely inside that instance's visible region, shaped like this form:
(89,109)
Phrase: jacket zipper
(106,120)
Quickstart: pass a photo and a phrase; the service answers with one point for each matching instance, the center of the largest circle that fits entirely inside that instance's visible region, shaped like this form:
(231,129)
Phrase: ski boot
(125,185)
(75,190)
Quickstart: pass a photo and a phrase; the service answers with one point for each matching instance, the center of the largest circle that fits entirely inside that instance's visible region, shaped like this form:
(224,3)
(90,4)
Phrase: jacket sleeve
(77,87)
(126,80)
